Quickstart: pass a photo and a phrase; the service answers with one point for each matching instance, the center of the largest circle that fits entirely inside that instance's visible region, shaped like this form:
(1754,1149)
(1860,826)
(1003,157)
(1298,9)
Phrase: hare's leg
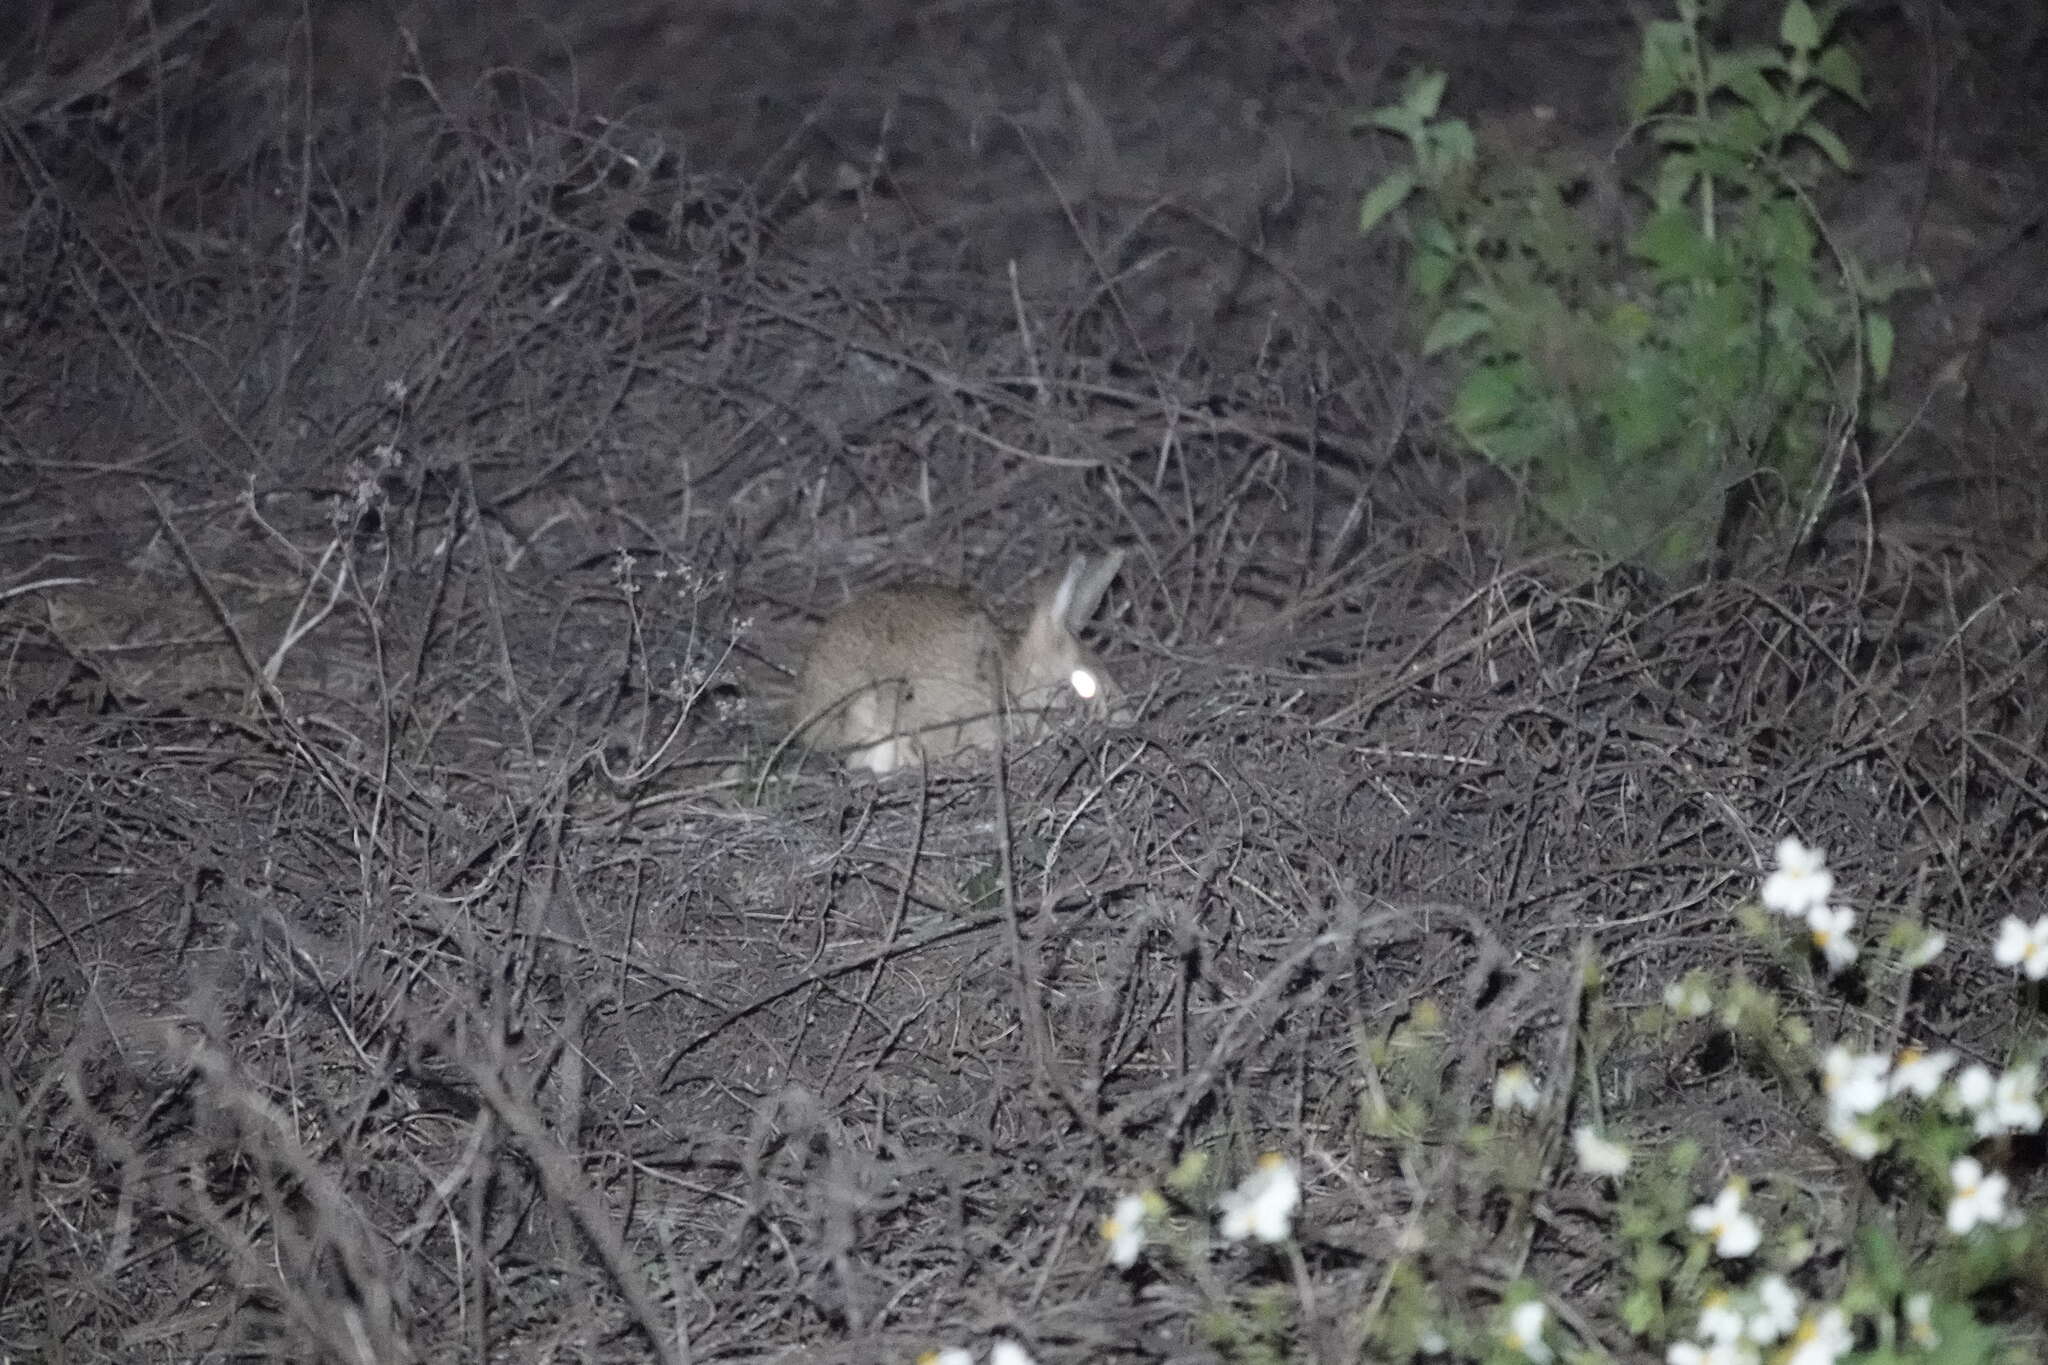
(874,721)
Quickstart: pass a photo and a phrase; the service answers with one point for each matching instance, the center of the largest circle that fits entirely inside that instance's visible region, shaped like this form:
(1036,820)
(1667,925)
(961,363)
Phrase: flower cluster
(1765,1319)
(1858,1085)
(1262,1207)
(1799,888)
(2007,1103)
(1734,1330)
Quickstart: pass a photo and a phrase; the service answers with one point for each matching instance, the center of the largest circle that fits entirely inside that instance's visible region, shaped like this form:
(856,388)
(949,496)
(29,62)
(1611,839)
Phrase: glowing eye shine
(1084,683)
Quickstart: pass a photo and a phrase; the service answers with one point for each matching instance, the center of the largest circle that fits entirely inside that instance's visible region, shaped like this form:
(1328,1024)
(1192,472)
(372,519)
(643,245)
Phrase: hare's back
(919,631)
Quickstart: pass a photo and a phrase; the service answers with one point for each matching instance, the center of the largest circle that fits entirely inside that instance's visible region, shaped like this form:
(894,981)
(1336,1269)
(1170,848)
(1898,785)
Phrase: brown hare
(909,675)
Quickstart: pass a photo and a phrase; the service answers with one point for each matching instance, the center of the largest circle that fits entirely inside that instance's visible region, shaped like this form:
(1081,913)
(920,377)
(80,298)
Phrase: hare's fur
(909,675)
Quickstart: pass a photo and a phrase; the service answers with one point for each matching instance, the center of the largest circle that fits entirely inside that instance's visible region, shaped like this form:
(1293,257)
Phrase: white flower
(1930,946)
(1777,1311)
(947,1355)
(2014,1106)
(1920,1073)
(1721,1326)
(1525,1331)
(1973,1087)
(1514,1089)
(1979,1195)
(1856,1137)
(1263,1204)
(1713,1353)
(1801,882)
(1735,1233)
(1830,926)
(1852,1081)
(1719,1319)
(1007,1352)
(1920,1321)
(1124,1229)
(1821,1340)
(1597,1155)
(2006,1104)
(1688,999)
(2022,946)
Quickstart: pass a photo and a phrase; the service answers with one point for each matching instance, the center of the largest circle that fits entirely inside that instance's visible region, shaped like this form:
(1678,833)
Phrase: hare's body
(909,675)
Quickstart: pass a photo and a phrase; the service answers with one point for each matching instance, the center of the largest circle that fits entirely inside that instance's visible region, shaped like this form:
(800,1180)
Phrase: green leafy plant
(1720,363)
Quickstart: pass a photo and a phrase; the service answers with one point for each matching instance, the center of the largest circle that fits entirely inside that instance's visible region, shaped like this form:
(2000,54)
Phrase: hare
(908,675)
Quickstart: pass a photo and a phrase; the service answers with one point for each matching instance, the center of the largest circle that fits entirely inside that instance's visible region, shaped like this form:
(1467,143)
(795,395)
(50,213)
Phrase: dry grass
(407,957)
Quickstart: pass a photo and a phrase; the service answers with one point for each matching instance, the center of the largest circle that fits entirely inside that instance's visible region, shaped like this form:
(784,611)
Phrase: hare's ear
(1080,591)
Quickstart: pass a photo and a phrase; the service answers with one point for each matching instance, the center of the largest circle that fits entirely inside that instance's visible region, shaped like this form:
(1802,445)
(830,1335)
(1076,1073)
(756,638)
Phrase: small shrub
(1720,364)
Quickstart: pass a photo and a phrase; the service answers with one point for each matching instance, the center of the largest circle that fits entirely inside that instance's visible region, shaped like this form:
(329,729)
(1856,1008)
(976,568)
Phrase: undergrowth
(1914,1256)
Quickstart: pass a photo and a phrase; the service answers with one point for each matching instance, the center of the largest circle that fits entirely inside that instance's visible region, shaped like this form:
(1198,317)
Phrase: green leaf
(1383,199)
(1446,148)
(1642,1310)
(1878,337)
(1454,328)
(1394,119)
(1675,130)
(1780,231)
(1652,1262)
(1882,1261)
(1838,68)
(1672,243)
(1753,89)
(1424,93)
(1458,141)
(1801,108)
(1823,137)
(1746,131)
(1432,272)
(1798,29)
(1735,71)
(1661,69)
(1488,396)
(1959,1338)
(1675,178)
(1519,449)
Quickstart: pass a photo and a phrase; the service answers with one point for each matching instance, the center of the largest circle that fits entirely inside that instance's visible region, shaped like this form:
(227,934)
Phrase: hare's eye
(1085,684)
